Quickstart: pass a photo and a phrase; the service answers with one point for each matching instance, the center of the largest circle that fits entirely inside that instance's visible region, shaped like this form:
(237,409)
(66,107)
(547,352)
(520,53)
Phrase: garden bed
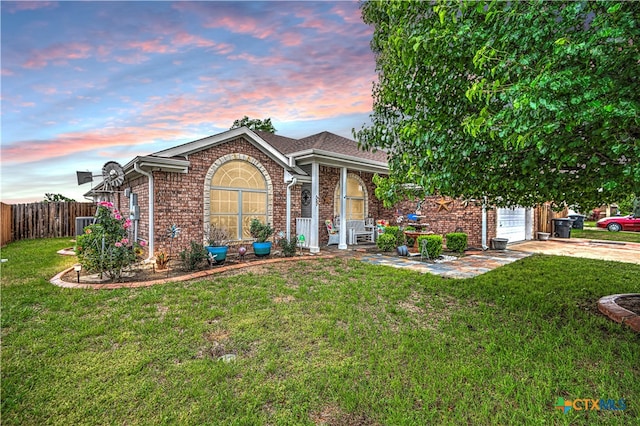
(149,274)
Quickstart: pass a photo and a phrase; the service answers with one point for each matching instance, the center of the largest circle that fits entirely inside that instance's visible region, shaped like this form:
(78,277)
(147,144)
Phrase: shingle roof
(326,141)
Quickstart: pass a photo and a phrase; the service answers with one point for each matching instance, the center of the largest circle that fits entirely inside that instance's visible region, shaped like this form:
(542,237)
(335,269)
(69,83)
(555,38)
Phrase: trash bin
(578,221)
(562,227)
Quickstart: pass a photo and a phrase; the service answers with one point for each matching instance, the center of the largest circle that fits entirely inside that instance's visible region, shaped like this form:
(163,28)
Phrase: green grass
(326,342)
(603,234)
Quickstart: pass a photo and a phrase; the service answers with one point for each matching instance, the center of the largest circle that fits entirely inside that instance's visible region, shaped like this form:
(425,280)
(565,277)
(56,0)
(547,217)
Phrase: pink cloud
(47,90)
(290,39)
(6,72)
(13,7)
(58,53)
(171,107)
(185,39)
(348,13)
(76,142)
(149,46)
(131,59)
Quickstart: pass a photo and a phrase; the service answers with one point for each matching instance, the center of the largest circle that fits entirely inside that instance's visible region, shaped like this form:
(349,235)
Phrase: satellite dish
(112,175)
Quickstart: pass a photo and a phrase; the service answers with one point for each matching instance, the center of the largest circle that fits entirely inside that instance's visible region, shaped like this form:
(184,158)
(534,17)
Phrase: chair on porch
(334,235)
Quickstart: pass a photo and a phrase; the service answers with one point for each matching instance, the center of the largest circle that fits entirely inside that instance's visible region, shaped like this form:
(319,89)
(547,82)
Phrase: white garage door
(512,224)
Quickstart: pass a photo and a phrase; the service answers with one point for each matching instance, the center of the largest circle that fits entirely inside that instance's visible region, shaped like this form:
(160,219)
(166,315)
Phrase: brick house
(294,184)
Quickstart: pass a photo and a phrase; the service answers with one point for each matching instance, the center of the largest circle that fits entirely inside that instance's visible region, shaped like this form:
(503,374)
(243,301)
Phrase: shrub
(105,247)
(457,241)
(288,247)
(397,232)
(434,245)
(386,242)
(261,232)
(194,257)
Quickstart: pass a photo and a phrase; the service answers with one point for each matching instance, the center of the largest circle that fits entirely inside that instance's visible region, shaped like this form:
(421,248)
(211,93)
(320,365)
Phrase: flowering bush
(105,247)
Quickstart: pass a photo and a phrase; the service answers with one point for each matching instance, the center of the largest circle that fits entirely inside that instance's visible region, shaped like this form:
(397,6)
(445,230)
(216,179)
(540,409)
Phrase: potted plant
(217,243)
(261,232)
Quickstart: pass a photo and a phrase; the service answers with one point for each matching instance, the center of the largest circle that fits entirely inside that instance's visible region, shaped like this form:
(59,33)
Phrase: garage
(512,224)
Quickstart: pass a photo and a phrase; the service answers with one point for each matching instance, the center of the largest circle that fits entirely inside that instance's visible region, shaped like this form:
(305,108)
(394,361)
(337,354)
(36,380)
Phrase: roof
(325,147)
(324,141)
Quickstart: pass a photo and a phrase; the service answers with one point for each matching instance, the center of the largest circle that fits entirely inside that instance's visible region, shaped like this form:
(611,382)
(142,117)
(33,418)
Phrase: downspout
(293,182)
(149,176)
(484,224)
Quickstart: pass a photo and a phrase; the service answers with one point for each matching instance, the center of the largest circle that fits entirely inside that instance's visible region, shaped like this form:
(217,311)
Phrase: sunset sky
(84,83)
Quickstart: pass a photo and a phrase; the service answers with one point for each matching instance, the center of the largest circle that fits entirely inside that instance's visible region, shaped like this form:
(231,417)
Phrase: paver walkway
(465,267)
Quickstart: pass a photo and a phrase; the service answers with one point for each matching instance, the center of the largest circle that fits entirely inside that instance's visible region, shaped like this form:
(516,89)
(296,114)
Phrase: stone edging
(608,306)
(58,281)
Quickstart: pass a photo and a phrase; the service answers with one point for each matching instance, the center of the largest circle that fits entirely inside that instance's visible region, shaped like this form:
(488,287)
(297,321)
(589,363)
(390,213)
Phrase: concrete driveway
(578,247)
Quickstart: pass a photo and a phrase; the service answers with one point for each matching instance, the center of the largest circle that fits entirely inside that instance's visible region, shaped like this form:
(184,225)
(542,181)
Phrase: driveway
(578,247)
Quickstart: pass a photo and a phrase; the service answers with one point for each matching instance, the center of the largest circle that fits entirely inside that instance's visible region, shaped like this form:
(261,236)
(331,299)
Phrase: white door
(512,224)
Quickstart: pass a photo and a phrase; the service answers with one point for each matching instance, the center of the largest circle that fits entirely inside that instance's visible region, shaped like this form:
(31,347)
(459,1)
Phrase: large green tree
(519,102)
(255,124)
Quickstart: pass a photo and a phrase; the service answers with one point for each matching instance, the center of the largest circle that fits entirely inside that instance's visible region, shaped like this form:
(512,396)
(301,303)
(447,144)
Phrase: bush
(260,231)
(288,247)
(397,232)
(457,241)
(194,257)
(386,242)
(105,247)
(434,245)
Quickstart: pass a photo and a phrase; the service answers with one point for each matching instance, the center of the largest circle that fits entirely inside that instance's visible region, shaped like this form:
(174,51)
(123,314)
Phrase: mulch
(630,303)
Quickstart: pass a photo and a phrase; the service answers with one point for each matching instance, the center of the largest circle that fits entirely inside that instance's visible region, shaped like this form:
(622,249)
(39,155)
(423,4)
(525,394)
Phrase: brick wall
(456,216)
(179,197)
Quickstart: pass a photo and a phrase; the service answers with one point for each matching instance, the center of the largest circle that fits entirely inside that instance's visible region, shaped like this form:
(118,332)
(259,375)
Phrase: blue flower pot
(262,249)
(220,253)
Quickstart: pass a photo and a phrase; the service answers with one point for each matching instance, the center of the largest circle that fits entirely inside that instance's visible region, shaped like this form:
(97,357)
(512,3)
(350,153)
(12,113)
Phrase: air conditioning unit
(81,222)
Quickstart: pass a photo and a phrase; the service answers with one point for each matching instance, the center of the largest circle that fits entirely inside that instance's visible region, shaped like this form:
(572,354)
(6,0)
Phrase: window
(238,194)
(356,199)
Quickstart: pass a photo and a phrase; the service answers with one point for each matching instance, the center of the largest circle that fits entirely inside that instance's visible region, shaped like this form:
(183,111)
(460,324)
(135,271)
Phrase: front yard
(334,342)
(603,234)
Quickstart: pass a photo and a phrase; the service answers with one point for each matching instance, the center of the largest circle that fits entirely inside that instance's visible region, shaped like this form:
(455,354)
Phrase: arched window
(238,193)
(356,198)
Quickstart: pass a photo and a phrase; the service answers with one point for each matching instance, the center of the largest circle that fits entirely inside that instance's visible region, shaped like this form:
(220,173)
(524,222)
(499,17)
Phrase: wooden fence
(42,220)
(5,225)
(545,214)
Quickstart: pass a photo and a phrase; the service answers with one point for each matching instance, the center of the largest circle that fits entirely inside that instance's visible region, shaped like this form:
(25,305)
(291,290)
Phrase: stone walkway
(472,264)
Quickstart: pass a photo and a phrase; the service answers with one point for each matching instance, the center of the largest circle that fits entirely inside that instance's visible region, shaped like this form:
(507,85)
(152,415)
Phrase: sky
(84,83)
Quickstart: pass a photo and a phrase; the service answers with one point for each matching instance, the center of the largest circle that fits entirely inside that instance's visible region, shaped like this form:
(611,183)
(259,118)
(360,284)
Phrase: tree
(56,198)
(518,102)
(255,124)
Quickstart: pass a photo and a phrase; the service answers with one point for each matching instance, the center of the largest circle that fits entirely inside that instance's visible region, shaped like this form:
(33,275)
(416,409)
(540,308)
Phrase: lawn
(334,342)
(603,234)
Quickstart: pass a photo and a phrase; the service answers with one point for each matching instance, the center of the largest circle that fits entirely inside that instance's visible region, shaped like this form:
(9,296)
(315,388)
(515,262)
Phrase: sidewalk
(620,251)
(474,263)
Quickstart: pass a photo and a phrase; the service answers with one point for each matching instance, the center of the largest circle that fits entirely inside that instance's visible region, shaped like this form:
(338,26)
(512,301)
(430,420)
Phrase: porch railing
(303,227)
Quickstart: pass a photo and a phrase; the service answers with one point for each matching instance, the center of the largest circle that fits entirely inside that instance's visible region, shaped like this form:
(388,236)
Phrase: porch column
(314,246)
(343,209)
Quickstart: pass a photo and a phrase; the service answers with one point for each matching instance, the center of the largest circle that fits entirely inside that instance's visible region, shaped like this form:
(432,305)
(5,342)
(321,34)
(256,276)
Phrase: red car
(620,223)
